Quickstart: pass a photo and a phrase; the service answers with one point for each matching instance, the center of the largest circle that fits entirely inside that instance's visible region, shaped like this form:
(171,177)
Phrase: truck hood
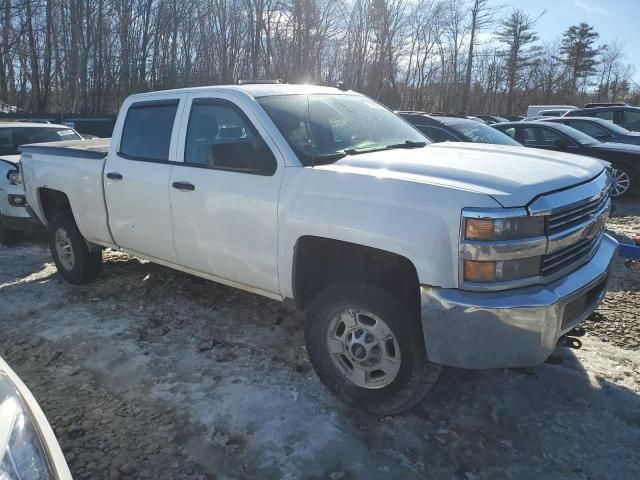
(513,176)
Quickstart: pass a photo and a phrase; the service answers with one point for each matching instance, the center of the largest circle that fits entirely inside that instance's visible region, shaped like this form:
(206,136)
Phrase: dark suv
(455,129)
(625,116)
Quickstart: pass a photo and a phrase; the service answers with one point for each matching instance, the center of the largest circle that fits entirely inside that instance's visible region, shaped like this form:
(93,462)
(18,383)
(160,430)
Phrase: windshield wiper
(334,157)
(407,144)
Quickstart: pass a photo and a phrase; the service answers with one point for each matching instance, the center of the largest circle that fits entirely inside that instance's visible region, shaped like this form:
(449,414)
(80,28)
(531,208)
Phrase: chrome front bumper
(511,328)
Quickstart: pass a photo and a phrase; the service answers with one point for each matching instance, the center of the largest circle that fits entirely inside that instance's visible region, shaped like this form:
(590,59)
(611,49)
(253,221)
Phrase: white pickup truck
(406,256)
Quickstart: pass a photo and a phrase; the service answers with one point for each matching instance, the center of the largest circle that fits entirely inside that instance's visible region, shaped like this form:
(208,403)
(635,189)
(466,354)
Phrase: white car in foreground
(28,446)
(406,256)
(14,217)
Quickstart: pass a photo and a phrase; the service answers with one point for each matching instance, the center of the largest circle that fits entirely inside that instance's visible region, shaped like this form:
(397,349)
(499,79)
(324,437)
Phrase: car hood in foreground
(514,176)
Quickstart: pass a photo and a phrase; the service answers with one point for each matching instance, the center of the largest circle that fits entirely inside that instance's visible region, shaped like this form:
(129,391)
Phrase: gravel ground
(151,373)
(619,319)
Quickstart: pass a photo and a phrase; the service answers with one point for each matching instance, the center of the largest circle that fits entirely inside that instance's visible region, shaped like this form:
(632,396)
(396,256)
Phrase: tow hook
(570,342)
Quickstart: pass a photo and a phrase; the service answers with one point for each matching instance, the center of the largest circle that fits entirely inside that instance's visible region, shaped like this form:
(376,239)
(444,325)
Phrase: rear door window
(147,130)
(631,119)
(606,115)
(542,137)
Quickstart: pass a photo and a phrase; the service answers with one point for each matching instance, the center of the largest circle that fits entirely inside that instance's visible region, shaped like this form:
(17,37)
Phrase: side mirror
(560,143)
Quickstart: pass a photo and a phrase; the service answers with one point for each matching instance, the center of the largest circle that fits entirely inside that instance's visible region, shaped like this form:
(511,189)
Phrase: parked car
(624,158)
(405,255)
(624,116)
(605,104)
(491,119)
(455,129)
(513,118)
(556,112)
(599,129)
(534,110)
(28,447)
(14,218)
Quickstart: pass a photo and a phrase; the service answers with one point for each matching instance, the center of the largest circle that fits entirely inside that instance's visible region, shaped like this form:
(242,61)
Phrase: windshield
(325,128)
(12,137)
(479,133)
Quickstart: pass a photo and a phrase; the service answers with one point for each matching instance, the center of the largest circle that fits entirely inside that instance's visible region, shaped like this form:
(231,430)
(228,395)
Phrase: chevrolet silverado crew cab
(405,255)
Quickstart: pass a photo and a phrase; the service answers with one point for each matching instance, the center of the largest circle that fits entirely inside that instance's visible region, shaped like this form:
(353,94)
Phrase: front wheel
(368,349)
(623,181)
(70,252)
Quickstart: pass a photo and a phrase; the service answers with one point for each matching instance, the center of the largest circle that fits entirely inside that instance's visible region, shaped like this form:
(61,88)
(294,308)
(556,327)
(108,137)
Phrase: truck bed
(97,148)
(74,169)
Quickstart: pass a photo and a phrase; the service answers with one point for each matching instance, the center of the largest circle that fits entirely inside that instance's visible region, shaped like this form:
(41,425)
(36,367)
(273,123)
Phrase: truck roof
(257,89)
(32,124)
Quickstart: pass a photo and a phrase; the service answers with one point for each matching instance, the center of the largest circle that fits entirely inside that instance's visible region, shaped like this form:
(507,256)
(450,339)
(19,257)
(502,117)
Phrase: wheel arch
(320,261)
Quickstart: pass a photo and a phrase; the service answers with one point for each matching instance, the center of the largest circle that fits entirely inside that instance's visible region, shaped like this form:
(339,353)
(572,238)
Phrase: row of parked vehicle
(575,132)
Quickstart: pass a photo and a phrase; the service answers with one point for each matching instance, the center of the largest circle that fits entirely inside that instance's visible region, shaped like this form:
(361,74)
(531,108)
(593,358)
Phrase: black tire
(9,236)
(86,265)
(633,185)
(416,375)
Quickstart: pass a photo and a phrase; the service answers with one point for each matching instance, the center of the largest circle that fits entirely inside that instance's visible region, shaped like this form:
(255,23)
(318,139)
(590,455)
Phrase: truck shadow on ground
(227,371)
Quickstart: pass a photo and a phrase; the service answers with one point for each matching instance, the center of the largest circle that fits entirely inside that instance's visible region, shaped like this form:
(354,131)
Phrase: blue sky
(611,19)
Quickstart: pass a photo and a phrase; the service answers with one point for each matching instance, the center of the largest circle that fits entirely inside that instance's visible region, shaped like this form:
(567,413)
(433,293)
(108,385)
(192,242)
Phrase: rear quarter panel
(80,179)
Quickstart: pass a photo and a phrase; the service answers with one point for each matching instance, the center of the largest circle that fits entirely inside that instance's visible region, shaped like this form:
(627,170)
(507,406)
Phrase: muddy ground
(151,373)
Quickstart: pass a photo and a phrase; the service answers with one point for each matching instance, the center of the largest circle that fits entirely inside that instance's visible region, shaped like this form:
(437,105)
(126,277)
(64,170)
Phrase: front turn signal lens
(478,229)
(475,271)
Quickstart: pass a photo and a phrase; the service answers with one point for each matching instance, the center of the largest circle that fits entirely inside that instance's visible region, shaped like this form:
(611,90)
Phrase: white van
(534,110)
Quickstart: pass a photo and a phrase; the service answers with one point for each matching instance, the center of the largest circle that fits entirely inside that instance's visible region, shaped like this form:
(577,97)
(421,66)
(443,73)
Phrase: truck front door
(137,178)
(224,195)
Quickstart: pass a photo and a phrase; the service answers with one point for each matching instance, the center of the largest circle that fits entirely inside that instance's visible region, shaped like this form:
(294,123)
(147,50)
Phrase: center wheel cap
(364,349)
(358,351)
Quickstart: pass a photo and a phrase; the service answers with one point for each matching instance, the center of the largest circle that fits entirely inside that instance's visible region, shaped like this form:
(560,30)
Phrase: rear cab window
(147,130)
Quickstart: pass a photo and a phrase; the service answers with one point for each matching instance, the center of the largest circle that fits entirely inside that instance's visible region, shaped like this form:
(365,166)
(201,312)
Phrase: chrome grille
(570,256)
(575,234)
(575,216)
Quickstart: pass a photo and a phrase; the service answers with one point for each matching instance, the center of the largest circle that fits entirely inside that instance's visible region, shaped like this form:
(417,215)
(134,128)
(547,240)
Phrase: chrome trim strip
(505,250)
(497,286)
(492,213)
(572,197)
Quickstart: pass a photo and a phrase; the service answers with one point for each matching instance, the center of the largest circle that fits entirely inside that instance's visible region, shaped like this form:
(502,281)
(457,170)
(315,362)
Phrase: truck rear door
(224,193)
(137,175)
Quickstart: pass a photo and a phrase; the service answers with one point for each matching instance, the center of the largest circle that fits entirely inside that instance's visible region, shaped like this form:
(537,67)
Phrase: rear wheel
(70,252)
(368,349)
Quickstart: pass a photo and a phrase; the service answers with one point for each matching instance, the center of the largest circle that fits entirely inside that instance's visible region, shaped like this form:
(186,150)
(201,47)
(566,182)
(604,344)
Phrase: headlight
(14,177)
(503,228)
(502,247)
(22,454)
(501,271)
